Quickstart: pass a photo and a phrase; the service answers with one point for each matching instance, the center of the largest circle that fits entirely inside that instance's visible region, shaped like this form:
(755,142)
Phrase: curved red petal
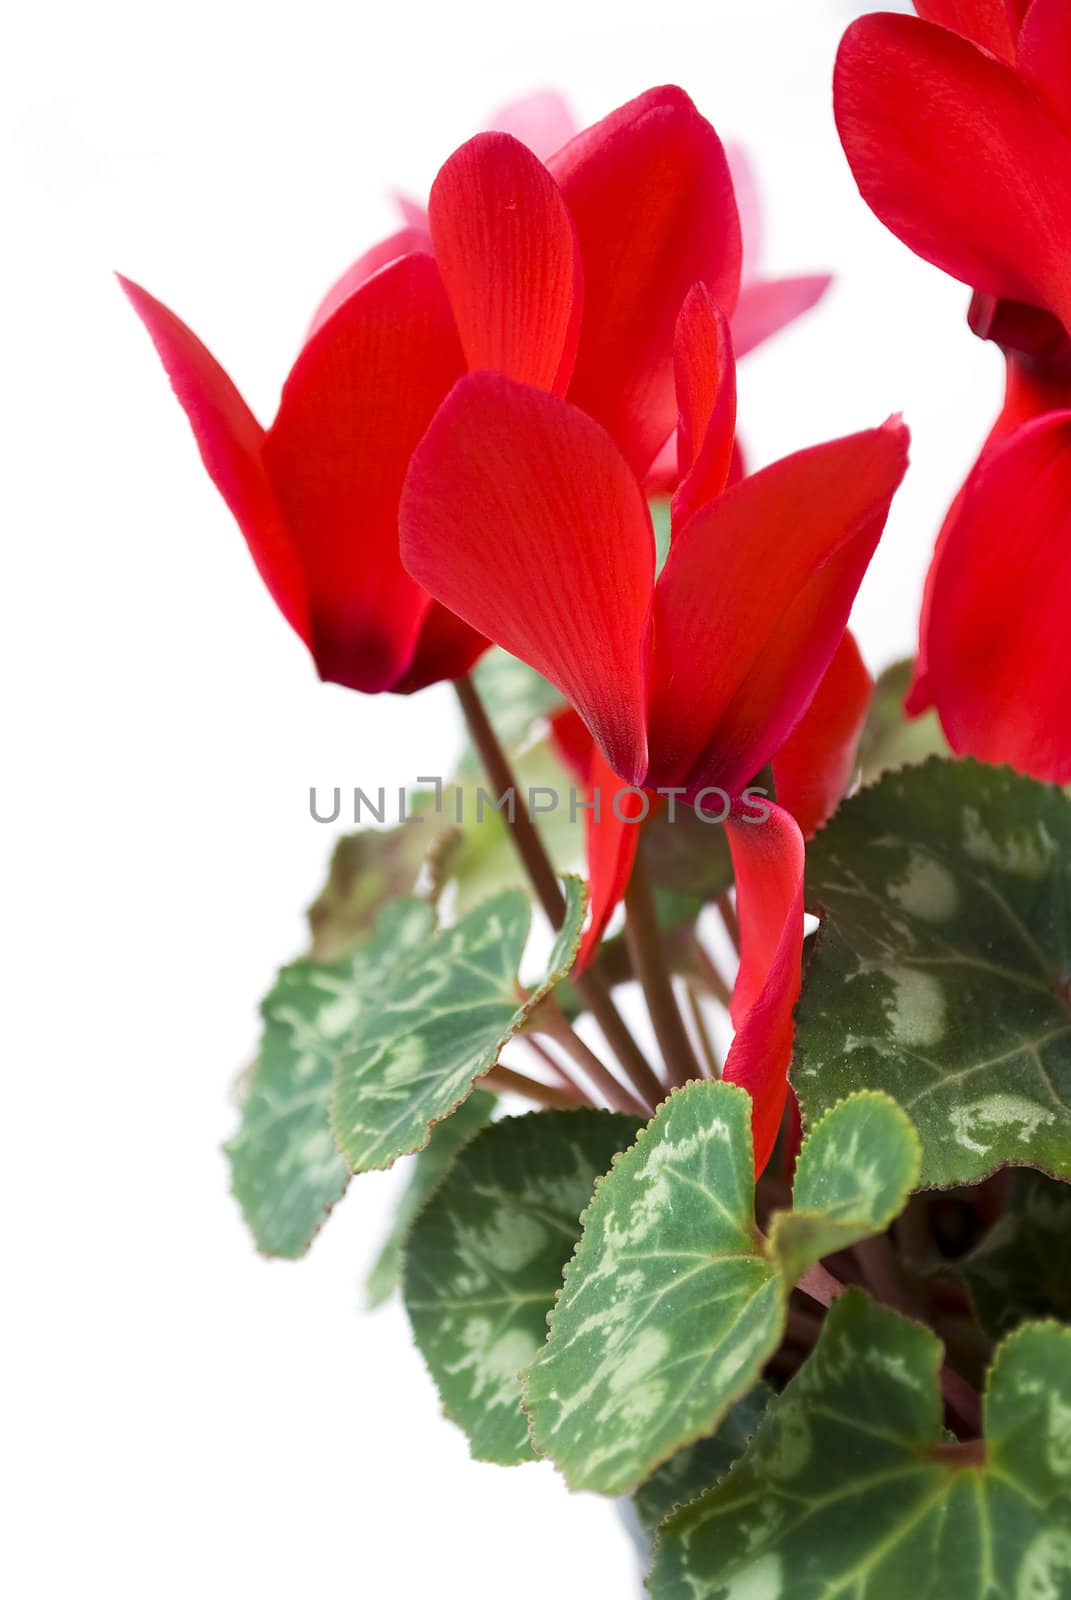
(612,837)
(651,196)
(520,515)
(445,649)
(404,242)
(815,765)
(753,600)
(999,670)
(991,23)
(706,395)
(1044,53)
(542,121)
(768,862)
(359,397)
(507,251)
(1032,388)
(959,156)
(231,442)
(766,305)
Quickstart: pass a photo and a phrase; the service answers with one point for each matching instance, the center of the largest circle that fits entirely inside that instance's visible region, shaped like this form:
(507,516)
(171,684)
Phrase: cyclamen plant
(805,1299)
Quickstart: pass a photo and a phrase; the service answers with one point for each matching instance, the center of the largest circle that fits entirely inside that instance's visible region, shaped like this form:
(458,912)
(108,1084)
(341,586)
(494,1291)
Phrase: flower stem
(526,840)
(710,1061)
(551,1020)
(727,912)
(544,880)
(504,1080)
(565,1079)
(648,962)
(709,974)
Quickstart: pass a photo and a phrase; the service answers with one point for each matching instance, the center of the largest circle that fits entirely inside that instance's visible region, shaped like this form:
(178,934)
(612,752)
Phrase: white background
(182,1417)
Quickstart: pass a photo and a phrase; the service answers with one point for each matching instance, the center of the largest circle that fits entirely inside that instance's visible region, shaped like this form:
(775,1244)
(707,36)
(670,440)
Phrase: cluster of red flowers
(465,447)
(957,125)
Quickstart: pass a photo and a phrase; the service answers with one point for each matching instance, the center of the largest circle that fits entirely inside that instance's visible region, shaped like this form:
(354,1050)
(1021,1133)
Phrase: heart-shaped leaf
(851,1489)
(428,1168)
(674,1300)
(699,1465)
(484,1262)
(286,1170)
(442,1017)
(943,965)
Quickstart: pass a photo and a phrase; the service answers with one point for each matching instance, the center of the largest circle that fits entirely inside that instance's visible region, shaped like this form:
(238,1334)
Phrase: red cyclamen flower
(958,131)
(567,277)
(521,514)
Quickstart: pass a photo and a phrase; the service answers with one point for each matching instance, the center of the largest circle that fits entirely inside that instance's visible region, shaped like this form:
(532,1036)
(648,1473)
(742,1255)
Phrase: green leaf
(368,871)
(484,1262)
(1022,1268)
(696,1468)
(442,1017)
(890,739)
(942,967)
(855,1171)
(286,1170)
(851,1491)
(515,697)
(429,1167)
(674,1301)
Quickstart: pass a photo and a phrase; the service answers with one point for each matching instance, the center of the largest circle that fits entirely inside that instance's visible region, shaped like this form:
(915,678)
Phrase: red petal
(359,397)
(520,514)
(507,251)
(542,121)
(1044,53)
(611,850)
(752,603)
(960,157)
(231,442)
(768,861)
(652,199)
(706,395)
(816,763)
(767,305)
(990,23)
(445,649)
(403,243)
(999,670)
(1032,388)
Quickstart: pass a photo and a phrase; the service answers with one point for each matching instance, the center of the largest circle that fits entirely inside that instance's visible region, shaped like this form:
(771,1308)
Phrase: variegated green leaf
(286,1170)
(428,1168)
(484,1262)
(442,1016)
(1022,1268)
(368,871)
(852,1491)
(854,1174)
(674,1300)
(701,1465)
(943,966)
